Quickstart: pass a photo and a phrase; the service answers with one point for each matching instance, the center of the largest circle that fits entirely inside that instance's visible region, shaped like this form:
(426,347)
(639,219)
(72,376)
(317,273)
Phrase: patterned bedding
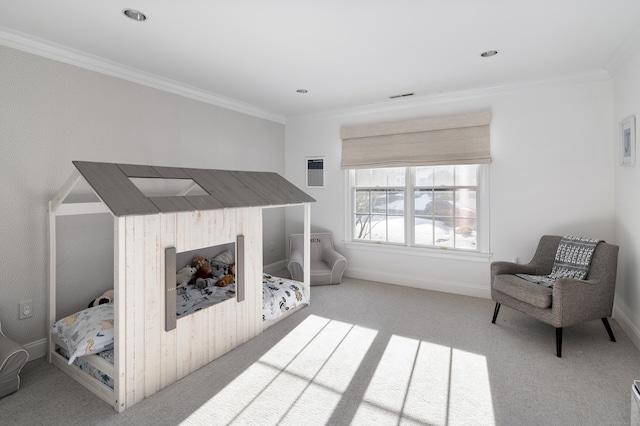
(194,299)
(278,295)
(88,368)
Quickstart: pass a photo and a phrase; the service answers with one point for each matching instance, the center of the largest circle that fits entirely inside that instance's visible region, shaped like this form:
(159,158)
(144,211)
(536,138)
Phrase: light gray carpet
(370,353)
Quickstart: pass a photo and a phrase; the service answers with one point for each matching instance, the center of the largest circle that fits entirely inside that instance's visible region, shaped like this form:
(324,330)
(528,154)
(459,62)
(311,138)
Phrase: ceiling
(345,53)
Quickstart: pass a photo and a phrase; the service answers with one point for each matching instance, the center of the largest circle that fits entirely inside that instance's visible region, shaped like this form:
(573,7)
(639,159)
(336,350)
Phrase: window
(434,206)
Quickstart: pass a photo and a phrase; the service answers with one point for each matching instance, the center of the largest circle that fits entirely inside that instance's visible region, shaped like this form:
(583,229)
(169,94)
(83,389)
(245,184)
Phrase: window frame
(409,247)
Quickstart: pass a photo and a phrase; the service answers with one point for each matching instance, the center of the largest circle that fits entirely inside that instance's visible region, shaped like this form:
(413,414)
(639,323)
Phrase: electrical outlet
(26,309)
(272,247)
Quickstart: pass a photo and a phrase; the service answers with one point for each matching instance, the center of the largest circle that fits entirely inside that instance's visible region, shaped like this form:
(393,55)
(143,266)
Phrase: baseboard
(462,289)
(37,349)
(274,267)
(627,325)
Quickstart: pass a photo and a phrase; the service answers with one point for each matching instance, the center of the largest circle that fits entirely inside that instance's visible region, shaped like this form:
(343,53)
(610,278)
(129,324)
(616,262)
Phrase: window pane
(467,175)
(361,227)
(444,236)
(362,178)
(424,176)
(396,176)
(388,177)
(466,203)
(466,223)
(363,201)
(379,198)
(378,228)
(421,197)
(395,229)
(444,176)
(423,231)
(441,206)
(466,237)
(395,200)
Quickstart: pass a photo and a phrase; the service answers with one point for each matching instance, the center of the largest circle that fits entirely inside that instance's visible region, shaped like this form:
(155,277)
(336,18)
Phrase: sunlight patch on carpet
(306,372)
(425,383)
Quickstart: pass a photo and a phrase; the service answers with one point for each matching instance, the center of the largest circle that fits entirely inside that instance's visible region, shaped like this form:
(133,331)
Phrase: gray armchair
(327,265)
(570,301)
(12,358)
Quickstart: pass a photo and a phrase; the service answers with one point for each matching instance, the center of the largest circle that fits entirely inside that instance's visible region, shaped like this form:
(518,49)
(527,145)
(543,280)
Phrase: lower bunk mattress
(89,369)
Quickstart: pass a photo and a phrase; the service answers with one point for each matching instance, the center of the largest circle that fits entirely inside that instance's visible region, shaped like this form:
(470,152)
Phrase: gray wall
(52,113)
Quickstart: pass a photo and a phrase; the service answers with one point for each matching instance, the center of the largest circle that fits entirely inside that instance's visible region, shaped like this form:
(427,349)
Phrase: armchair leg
(559,342)
(495,313)
(608,327)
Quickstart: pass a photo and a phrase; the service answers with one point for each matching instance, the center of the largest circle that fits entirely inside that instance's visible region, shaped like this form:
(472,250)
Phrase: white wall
(52,113)
(627,202)
(552,172)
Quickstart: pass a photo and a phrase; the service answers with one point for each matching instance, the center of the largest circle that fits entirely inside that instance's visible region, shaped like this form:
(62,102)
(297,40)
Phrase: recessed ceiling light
(489,53)
(134,14)
(302,91)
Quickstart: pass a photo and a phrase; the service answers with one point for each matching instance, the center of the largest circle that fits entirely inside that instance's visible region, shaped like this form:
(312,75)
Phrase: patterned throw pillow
(225,258)
(86,332)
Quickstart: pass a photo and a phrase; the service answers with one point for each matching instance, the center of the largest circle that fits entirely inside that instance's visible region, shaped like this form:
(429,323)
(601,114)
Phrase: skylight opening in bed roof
(163,187)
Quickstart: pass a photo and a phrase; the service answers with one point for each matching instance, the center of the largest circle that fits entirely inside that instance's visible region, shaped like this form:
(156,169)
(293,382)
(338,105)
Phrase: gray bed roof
(225,188)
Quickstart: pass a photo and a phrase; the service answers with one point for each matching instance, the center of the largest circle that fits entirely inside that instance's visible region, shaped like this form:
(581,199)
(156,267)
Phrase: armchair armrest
(510,268)
(336,261)
(582,300)
(12,358)
(296,265)
(332,257)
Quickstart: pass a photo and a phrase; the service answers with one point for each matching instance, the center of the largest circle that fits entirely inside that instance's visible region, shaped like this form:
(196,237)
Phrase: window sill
(443,253)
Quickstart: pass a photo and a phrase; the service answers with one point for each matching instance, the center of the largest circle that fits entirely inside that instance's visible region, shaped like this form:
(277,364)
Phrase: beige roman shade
(456,139)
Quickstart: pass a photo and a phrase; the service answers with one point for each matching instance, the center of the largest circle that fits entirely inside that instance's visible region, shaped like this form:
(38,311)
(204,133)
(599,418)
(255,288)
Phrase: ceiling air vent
(404,95)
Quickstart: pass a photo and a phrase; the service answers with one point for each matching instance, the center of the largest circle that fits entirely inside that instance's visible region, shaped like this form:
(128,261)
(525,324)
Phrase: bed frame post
(119,282)
(53,207)
(52,278)
(307,249)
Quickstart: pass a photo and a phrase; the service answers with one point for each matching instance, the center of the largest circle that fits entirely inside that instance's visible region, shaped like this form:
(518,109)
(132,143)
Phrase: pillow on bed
(226,258)
(86,332)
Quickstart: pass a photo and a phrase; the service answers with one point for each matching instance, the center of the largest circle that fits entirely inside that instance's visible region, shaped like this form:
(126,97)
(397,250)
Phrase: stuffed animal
(230,273)
(204,282)
(107,297)
(203,268)
(184,275)
(225,281)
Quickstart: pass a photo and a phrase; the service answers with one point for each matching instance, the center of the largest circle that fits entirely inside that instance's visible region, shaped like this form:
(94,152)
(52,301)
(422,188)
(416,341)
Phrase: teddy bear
(106,297)
(227,278)
(203,268)
(184,275)
(225,281)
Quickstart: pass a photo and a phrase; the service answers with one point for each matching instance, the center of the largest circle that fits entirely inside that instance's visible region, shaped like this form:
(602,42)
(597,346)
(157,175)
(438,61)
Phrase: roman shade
(430,141)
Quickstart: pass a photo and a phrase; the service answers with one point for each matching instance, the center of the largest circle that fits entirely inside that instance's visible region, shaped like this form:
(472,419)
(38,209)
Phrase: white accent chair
(327,265)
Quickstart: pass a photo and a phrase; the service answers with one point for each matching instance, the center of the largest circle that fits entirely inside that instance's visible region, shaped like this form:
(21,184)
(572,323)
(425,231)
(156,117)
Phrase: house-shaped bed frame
(148,358)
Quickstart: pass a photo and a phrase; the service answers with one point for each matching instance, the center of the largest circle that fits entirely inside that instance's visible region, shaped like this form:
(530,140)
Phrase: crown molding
(37,46)
(454,95)
(626,52)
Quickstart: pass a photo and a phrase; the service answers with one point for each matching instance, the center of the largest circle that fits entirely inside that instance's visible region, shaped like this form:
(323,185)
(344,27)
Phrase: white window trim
(481,255)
